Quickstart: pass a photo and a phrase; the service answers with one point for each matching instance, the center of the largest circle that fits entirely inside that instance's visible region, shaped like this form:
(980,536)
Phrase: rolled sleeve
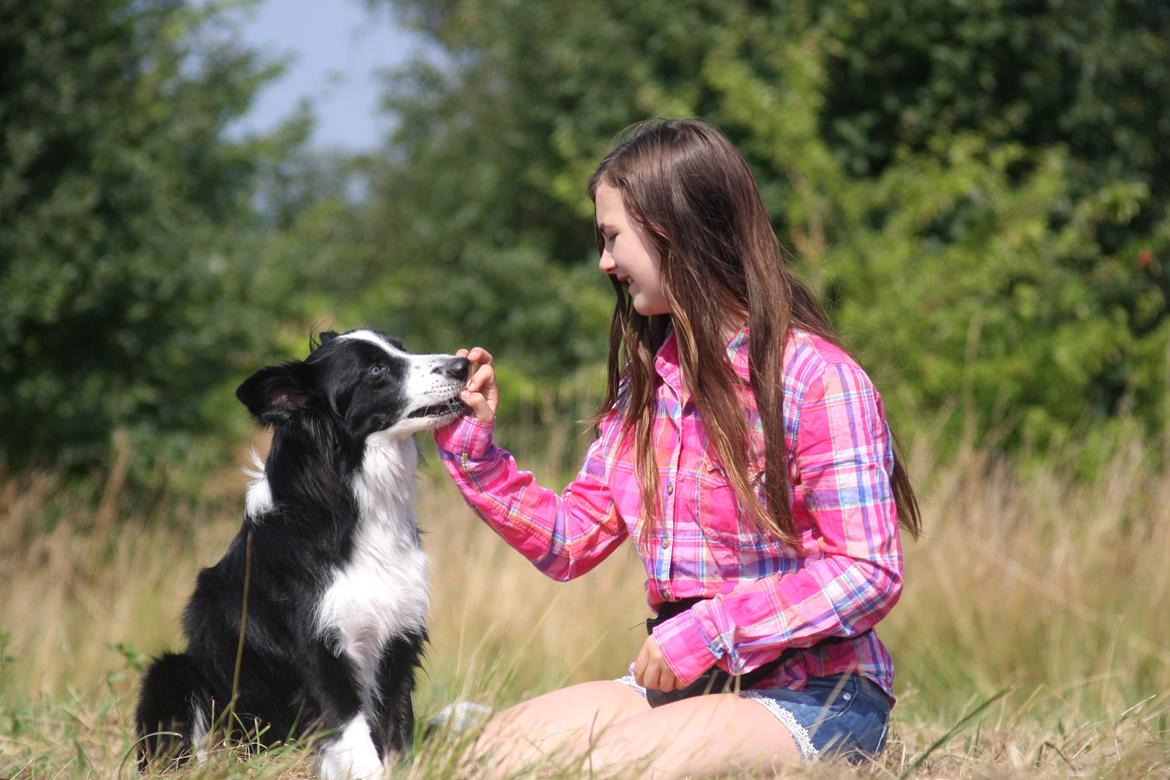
(468,436)
(686,647)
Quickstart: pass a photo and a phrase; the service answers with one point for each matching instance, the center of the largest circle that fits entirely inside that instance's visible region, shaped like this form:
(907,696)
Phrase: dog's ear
(323,338)
(275,393)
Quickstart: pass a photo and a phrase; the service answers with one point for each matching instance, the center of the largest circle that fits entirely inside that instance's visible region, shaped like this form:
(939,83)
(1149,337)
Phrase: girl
(747,456)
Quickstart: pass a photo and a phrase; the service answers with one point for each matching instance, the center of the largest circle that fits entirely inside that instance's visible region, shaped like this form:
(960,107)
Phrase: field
(1032,638)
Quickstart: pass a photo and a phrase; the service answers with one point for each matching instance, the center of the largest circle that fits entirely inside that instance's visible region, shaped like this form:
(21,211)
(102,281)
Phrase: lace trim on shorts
(629,680)
(799,733)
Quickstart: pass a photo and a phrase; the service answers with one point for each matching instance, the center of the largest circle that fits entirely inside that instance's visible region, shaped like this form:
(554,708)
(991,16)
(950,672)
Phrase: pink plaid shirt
(761,598)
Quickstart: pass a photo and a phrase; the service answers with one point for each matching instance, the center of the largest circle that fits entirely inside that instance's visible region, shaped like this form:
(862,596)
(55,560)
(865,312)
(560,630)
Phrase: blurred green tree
(130,229)
(978,189)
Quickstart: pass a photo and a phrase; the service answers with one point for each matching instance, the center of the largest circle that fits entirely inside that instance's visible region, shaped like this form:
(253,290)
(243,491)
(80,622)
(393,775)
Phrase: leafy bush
(128,234)
(977,189)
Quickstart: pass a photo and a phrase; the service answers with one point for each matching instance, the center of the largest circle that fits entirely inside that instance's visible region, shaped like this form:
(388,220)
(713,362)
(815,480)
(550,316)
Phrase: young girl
(747,456)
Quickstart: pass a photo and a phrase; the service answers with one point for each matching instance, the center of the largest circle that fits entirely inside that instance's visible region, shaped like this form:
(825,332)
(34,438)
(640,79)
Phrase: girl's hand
(481,394)
(651,671)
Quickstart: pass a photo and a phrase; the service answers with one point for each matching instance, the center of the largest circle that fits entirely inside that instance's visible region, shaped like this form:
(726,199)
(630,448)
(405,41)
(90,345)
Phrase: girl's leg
(704,735)
(554,723)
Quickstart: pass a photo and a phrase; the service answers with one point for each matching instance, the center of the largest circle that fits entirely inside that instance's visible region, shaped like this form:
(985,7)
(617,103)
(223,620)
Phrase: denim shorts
(842,715)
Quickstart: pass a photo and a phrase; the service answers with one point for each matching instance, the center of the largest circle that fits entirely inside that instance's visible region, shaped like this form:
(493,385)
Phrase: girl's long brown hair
(721,266)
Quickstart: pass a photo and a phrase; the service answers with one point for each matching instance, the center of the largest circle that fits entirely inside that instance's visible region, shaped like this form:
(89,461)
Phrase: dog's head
(363,381)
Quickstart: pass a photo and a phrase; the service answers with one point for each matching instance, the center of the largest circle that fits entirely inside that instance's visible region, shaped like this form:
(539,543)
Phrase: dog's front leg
(349,752)
(394,709)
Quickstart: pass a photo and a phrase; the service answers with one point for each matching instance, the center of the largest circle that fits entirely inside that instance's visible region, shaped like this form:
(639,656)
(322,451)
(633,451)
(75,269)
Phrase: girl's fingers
(640,666)
(651,677)
(480,394)
(483,375)
(478,404)
(651,671)
(479,355)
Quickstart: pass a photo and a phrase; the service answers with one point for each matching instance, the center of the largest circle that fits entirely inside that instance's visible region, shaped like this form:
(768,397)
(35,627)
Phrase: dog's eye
(375,370)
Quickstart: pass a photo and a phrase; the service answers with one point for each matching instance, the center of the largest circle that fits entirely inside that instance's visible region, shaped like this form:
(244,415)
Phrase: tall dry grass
(1030,584)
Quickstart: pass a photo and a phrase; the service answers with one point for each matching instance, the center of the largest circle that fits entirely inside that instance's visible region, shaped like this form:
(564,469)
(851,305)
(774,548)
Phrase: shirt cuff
(467,436)
(685,647)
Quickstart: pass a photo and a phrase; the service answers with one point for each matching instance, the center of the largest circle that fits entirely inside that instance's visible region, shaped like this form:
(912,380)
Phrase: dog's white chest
(381,591)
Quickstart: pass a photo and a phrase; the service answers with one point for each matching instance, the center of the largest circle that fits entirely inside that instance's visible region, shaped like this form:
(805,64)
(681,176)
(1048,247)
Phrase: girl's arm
(563,535)
(844,457)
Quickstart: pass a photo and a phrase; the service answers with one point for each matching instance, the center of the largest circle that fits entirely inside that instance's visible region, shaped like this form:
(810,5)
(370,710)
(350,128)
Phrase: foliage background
(978,189)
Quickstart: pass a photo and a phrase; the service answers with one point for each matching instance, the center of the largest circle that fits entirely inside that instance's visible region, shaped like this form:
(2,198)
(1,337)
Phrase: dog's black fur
(337,592)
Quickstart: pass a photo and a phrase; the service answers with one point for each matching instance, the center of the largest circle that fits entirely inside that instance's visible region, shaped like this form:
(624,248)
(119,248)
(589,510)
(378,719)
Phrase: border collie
(337,590)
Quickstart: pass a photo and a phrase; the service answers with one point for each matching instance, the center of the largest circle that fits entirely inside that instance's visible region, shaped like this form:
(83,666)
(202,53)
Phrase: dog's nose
(457,368)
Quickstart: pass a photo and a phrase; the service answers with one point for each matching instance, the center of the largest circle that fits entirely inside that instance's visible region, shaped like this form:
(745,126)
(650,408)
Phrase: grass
(1031,640)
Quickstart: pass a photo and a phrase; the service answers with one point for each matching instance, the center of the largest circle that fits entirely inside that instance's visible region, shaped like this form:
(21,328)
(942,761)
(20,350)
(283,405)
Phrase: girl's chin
(648,309)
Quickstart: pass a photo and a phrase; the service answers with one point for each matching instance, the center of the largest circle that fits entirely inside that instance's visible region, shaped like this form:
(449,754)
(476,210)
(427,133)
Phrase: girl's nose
(606,263)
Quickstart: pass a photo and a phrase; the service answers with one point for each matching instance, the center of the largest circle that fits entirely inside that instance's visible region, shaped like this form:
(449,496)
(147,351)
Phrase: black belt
(715,680)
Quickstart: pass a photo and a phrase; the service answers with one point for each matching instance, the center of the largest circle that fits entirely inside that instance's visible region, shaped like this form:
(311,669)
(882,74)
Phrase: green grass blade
(962,723)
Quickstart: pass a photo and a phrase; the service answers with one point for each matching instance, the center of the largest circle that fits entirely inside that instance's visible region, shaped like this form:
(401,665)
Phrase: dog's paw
(459,717)
(351,755)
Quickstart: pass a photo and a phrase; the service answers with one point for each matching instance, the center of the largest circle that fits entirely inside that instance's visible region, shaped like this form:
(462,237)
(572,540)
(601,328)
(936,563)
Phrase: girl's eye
(375,370)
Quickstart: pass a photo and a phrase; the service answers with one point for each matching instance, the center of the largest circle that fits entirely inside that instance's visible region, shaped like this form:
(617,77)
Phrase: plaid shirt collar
(666,361)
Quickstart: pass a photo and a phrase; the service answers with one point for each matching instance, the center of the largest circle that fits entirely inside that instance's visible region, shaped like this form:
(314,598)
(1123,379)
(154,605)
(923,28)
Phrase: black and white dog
(337,588)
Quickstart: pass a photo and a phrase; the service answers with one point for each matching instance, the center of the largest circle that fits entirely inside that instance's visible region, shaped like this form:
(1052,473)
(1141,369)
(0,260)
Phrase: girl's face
(629,254)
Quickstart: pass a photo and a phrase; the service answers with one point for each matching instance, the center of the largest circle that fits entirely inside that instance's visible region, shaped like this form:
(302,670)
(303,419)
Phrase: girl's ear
(275,393)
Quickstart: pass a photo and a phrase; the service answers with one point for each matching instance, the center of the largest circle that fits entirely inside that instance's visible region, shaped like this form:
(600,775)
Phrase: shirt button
(669,488)
(665,543)
(666,593)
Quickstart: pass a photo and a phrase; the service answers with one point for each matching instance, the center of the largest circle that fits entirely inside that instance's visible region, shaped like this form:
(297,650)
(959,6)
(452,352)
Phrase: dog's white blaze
(376,340)
(199,728)
(258,498)
(425,383)
(382,591)
(351,754)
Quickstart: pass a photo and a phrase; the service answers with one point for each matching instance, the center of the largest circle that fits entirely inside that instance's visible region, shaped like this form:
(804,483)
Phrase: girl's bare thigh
(701,736)
(606,727)
(543,726)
